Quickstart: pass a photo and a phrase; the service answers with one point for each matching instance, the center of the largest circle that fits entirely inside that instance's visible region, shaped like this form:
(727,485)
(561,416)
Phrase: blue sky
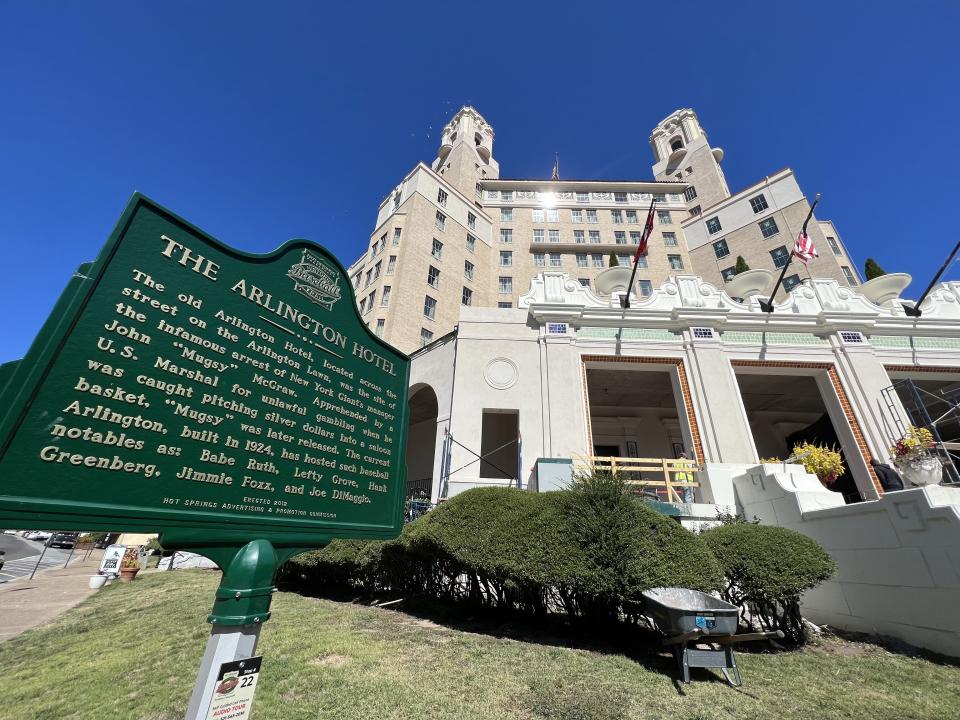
(260,122)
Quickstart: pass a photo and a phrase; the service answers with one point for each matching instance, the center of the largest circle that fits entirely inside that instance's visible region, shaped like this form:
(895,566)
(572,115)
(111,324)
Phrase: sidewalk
(26,604)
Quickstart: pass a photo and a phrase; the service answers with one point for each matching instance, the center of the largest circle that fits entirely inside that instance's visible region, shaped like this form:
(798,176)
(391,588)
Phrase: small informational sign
(556,328)
(112,557)
(233,693)
(185,387)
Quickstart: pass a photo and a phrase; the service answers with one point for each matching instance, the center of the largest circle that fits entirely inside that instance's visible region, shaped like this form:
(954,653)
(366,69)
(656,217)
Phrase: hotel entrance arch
(421,440)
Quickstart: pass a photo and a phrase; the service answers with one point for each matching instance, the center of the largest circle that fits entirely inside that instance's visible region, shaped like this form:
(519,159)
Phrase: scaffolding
(938,412)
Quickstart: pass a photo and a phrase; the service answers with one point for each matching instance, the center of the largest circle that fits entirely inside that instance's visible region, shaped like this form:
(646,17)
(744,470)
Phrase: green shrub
(343,563)
(767,569)
(741,265)
(872,269)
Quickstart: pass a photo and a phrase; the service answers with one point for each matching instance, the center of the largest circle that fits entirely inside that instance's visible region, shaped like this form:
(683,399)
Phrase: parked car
(63,539)
(38,535)
(3,554)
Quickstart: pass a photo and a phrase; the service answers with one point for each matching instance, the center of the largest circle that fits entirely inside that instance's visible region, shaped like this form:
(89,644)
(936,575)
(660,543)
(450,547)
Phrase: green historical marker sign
(215,396)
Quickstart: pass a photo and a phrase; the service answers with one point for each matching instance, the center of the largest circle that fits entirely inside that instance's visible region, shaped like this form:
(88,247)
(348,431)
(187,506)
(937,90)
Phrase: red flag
(647,230)
(803,249)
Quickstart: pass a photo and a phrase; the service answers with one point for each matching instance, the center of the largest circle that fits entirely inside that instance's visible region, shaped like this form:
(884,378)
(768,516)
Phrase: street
(21,557)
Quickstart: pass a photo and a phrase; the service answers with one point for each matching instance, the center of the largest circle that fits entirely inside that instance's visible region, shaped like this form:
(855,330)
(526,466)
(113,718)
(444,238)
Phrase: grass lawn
(132,651)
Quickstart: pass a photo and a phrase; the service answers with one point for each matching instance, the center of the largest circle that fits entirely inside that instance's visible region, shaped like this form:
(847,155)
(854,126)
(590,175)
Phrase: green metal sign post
(237,404)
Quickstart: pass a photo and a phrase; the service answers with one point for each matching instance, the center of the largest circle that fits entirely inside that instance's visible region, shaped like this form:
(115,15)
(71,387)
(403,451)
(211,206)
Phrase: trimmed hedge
(767,569)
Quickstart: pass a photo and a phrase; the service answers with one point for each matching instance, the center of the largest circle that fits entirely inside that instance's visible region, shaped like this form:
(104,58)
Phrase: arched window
(676,144)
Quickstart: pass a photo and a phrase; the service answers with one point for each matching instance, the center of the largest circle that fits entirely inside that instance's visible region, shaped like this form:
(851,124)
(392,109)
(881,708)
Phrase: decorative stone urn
(615,279)
(748,283)
(922,469)
(97,581)
(885,288)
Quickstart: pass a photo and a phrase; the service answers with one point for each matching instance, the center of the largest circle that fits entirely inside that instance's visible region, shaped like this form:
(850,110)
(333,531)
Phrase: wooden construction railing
(656,473)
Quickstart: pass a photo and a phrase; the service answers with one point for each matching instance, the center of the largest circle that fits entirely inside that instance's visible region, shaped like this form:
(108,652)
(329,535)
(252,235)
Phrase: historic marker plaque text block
(182,385)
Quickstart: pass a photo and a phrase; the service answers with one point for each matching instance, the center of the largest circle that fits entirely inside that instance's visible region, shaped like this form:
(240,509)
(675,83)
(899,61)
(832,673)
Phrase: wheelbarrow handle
(748,637)
(677,639)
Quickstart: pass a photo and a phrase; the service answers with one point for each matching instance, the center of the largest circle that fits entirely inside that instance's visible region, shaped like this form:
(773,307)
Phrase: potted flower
(129,566)
(912,456)
(821,461)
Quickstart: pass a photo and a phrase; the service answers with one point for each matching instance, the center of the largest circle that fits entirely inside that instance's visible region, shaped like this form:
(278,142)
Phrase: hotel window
(539,259)
(376,270)
(578,237)
(468,269)
(769,227)
(584,282)
(623,260)
(635,238)
(507,195)
(437,249)
(577,215)
(834,246)
(441,220)
(369,278)
(472,242)
(442,197)
(504,305)
(356,281)
(506,214)
(379,330)
(537,215)
(538,236)
(676,262)
(642,261)
(429,307)
(471,221)
(713,226)
(554,259)
(597,260)
(433,277)
(385,296)
(506,285)
(620,197)
(694,211)
(554,235)
(789,283)
(396,201)
(848,274)
(478,189)
(595,237)
(506,258)
(758,203)
(425,337)
(690,193)
(396,236)
(645,287)
(371,298)
(663,217)
(780,256)
(553,215)
(583,197)
(632,217)
(729,273)
(467,297)
(620,236)
(581,260)
(617,217)
(670,239)
(506,235)
(592,216)
(720,249)
(660,197)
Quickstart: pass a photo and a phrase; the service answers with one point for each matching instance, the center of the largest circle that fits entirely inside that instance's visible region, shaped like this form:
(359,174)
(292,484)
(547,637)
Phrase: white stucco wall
(898,558)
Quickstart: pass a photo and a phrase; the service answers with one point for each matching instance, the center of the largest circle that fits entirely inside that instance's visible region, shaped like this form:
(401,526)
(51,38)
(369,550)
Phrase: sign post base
(226,644)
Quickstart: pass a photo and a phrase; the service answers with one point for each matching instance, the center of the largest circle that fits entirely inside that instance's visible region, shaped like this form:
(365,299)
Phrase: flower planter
(748,283)
(97,581)
(885,288)
(128,574)
(615,279)
(921,470)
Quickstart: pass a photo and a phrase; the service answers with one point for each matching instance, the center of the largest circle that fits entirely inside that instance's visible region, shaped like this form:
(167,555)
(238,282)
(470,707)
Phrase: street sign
(236,685)
(186,387)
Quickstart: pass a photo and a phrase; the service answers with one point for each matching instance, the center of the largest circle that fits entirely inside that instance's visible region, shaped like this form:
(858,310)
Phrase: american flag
(803,249)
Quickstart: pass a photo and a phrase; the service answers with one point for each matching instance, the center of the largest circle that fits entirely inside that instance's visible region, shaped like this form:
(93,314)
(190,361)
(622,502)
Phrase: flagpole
(914,310)
(625,299)
(767,305)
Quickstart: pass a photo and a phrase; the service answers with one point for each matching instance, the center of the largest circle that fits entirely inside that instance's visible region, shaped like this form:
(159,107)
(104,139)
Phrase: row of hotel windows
(758,204)
(721,250)
(619,197)
(379,245)
(577,215)
(581,237)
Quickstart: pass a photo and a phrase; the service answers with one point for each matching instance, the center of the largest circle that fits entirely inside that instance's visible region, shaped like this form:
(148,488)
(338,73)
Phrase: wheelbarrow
(689,618)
